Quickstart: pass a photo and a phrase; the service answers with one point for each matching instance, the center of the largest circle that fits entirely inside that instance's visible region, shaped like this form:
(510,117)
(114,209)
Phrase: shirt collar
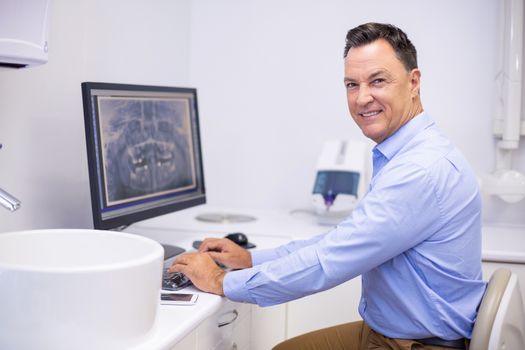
(403,135)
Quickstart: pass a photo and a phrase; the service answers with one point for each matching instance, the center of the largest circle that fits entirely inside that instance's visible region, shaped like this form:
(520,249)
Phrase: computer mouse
(237,237)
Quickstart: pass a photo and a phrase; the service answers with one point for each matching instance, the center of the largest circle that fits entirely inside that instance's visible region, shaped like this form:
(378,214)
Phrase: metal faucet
(7,200)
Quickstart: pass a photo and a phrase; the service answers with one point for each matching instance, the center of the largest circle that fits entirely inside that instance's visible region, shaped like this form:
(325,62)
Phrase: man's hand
(226,252)
(201,270)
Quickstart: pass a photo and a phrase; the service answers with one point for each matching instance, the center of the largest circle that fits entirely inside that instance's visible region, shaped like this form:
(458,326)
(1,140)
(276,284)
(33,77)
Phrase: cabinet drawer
(229,328)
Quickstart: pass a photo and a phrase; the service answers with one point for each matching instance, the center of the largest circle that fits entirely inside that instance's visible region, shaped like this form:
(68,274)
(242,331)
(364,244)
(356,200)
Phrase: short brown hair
(370,32)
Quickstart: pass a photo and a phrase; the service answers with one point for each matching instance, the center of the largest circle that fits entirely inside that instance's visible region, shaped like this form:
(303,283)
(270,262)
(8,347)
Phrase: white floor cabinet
(227,329)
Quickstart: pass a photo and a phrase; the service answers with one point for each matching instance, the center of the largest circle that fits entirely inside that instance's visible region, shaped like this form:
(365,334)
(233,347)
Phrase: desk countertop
(267,223)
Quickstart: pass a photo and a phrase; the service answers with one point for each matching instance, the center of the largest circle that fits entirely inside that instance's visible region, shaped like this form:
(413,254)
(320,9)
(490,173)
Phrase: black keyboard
(173,280)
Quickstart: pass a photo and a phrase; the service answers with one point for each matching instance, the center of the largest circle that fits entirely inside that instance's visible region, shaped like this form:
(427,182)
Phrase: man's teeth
(370,114)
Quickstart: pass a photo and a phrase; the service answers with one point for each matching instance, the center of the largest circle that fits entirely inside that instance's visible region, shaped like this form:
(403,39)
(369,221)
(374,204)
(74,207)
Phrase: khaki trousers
(350,336)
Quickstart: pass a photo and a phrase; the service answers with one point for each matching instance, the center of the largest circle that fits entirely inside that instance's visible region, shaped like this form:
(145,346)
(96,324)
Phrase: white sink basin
(77,289)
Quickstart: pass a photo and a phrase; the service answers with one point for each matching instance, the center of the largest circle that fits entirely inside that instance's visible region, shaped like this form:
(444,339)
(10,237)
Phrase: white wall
(43,161)
(270,79)
(269,75)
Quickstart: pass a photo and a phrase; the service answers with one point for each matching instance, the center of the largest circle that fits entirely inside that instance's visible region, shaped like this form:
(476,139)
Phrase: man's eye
(378,81)
(350,85)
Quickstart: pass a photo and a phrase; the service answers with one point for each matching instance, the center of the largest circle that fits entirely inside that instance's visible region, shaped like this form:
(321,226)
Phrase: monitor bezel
(92,143)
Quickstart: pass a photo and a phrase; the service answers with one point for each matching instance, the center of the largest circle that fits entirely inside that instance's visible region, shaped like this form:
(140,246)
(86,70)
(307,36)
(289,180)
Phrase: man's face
(382,96)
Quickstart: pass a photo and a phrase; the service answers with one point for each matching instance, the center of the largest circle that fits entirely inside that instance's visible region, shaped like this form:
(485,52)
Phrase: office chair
(500,323)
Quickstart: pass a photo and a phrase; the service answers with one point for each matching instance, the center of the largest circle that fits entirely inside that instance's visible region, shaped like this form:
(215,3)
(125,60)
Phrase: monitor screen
(144,152)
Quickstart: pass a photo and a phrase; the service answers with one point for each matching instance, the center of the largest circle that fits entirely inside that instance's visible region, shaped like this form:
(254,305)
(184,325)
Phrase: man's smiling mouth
(370,114)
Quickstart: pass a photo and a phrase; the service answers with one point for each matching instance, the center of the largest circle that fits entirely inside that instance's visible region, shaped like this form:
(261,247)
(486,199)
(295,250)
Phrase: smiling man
(415,238)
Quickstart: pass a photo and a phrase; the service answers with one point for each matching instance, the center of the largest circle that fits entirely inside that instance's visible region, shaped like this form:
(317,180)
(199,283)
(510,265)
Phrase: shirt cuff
(234,285)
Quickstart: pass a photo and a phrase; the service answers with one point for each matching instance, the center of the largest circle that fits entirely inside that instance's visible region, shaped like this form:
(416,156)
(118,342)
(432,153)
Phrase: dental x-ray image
(147,147)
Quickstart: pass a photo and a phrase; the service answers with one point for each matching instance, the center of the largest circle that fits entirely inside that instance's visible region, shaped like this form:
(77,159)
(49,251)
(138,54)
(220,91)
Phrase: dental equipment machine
(340,180)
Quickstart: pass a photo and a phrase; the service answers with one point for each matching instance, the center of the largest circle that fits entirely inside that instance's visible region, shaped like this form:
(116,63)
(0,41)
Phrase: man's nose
(364,96)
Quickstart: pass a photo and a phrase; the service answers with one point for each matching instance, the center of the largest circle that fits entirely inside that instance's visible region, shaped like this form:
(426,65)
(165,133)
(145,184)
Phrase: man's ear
(415,81)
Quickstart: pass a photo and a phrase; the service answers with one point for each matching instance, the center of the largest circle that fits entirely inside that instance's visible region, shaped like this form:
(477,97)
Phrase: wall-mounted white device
(340,180)
(23,33)
(509,125)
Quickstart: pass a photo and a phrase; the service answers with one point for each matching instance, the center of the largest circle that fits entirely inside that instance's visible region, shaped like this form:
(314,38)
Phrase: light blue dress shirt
(415,238)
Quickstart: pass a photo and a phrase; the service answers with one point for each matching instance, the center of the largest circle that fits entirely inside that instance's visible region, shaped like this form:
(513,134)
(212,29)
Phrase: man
(415,237)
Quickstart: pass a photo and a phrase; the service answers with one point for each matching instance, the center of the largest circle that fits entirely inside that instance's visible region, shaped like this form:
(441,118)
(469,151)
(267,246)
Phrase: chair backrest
(500,323)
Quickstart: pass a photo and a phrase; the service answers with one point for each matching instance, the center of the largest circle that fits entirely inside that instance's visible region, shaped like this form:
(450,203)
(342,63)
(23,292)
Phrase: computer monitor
(144,152)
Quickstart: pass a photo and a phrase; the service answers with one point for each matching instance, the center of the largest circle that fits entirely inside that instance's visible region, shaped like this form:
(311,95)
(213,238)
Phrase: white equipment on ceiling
(24,33)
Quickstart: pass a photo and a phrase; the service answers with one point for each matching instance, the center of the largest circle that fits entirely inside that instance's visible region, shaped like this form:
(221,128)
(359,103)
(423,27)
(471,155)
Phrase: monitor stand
(225,218)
